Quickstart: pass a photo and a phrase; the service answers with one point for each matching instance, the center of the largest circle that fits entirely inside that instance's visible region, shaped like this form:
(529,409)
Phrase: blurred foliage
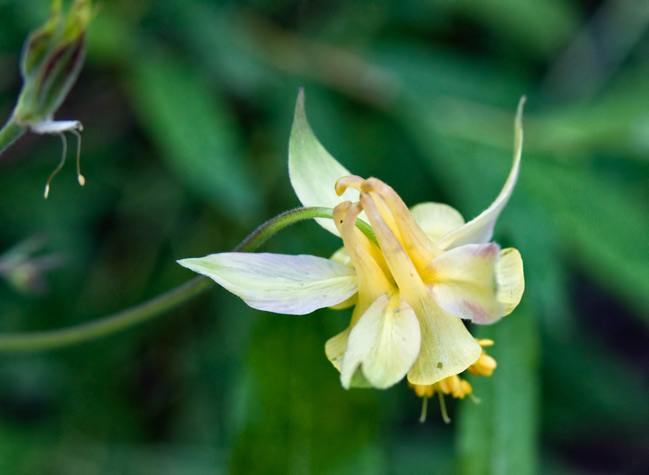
(187,109)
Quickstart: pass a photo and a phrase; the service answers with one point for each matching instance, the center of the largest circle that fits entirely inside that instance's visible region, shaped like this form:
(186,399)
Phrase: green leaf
(189,124)
(297,417)
(499,434)
(604,225)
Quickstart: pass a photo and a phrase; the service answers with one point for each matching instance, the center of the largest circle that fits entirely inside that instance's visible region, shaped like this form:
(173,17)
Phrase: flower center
(406,251)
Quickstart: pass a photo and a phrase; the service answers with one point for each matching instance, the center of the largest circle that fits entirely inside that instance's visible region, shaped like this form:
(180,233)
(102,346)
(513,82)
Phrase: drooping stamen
(59,166)
(80,178)
(442,408)
(59,127)
(424,409)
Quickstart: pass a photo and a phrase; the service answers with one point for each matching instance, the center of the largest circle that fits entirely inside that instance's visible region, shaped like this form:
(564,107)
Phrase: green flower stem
(62,337)
(9,134)
(270,227)
(113,323)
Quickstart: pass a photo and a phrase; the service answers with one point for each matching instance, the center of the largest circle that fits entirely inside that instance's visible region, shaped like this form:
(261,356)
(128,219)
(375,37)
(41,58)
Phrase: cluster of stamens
(454,385)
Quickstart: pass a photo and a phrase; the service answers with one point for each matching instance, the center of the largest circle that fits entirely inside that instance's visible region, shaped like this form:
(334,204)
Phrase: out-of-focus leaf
(540,26)
(499,434)
(215,36)
(430,74)
(616,123)
(298,419)
(590,389)
(604,225)
(191,129)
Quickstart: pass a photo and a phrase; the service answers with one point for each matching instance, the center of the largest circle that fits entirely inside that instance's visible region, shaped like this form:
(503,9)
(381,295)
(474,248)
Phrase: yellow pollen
(486,364)
(484,342)
(456,386)
(423,390)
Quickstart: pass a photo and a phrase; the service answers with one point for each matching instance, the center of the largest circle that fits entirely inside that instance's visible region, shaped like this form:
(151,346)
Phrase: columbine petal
(294,285)
(463,282)
(383,344)
(480,229)
(312,170)
(436,219)
(335,348)
(511,282)
(447,347)
(368,262)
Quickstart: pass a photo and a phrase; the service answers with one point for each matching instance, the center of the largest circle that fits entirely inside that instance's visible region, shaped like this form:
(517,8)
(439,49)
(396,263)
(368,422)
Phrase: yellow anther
(423,390)
(484,342)
(484,366)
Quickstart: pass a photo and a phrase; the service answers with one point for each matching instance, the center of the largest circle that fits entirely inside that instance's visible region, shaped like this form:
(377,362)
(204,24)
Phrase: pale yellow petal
(402,268)
(365,256)
(480,229)
(384,343)
(342,256)
(447,347)
(335,351)
(463,282)
(510,278)
(335,348)
(436,219)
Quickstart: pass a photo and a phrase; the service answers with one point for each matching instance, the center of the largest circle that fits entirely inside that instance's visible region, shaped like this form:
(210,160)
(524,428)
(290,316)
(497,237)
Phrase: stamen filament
(59,166)
(80,177)
(424,409)
(442,407)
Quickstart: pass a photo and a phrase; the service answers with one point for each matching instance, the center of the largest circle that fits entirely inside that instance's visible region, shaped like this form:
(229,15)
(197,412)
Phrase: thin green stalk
(270,227)
(9,134)
(113,323)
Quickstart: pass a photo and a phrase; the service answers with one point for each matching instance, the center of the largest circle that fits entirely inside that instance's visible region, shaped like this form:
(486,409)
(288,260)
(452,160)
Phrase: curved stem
(9,134)
(51,339)
(270,227)
(113,323)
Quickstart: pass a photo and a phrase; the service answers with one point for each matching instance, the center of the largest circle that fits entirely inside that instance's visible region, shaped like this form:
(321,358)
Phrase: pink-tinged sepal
(463,282)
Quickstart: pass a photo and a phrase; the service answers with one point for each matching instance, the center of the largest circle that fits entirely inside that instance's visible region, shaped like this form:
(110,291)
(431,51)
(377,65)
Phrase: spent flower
(51,61)
(411,288)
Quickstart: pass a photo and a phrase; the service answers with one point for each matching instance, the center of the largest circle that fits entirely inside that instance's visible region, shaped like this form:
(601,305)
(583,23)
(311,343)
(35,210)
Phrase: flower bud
(51,61)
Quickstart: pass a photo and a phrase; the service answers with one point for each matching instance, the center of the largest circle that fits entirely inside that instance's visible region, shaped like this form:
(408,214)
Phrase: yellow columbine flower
(410,295)
(411,292)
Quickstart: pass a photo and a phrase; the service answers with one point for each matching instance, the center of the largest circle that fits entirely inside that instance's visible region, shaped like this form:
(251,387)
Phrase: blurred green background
(187,108)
